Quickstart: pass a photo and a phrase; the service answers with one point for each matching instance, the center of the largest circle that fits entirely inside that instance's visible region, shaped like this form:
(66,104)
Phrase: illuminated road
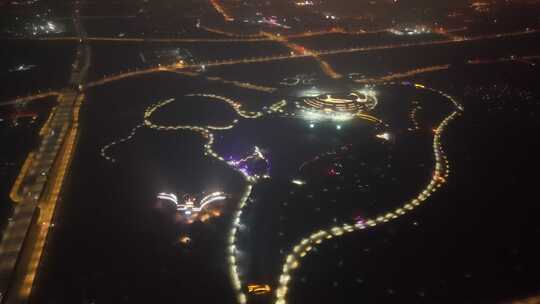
(142,40)
(221,10)
(405,74)
(229,34)
(179,69)
(174,67)
(301,50)
(37,188)
(233,37)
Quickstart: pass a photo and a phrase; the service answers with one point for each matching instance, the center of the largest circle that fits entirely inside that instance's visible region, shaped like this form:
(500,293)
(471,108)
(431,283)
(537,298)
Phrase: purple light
(360,220)
(250,165)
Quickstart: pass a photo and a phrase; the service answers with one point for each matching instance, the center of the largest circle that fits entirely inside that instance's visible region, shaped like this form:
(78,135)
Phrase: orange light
(259,289)
(185,240)
(205,217)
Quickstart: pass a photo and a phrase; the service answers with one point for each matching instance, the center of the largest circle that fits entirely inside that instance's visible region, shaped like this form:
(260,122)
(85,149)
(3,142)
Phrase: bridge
(38,185)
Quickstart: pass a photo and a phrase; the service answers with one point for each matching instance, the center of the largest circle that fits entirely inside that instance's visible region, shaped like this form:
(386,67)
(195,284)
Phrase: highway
(29,98)
(310,53)
(38,186)
(301,50)
(232,37)
(179,69)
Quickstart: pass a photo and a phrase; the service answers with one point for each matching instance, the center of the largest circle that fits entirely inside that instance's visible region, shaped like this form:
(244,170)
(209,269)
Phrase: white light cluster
(318,116)
(188,206)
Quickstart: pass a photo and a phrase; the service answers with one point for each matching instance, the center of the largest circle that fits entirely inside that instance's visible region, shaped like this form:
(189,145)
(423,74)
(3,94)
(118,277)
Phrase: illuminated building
(336,106)
(193,208)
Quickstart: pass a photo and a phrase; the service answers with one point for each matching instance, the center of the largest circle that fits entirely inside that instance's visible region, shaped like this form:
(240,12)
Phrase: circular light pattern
(339,106)
(353,102)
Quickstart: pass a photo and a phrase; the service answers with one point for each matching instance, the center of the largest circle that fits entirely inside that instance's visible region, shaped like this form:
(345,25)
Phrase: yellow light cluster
(220,9)
(14,193)
(317,55)
(46,126)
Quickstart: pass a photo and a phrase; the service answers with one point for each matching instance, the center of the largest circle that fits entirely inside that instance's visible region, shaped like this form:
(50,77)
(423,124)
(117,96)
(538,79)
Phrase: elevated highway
(38,186)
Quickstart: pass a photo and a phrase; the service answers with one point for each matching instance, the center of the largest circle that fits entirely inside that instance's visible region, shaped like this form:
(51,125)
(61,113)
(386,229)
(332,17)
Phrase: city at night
(269,151)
